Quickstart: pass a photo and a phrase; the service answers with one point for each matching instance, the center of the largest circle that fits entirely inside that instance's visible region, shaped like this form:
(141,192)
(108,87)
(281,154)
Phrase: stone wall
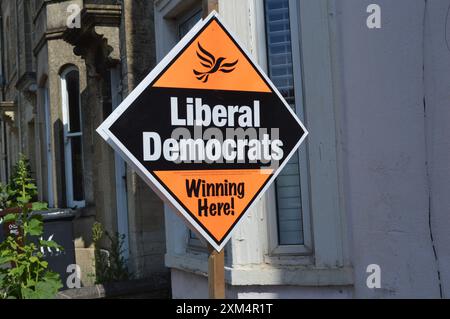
(146,210)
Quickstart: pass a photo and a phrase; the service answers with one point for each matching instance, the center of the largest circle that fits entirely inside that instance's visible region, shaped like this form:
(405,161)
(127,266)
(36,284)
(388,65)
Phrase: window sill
(280,260)
(265,274)
(196,263)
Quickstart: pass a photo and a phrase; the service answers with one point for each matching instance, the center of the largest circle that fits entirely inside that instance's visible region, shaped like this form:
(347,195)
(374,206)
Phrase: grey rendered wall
(395,146)
(437,99)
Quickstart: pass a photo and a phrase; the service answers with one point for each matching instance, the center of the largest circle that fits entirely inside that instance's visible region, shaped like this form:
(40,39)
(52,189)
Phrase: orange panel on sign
(216,198)
(213,62)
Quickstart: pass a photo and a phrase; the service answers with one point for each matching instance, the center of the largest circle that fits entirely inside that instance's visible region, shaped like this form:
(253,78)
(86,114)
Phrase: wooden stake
(216,260)
(216,273)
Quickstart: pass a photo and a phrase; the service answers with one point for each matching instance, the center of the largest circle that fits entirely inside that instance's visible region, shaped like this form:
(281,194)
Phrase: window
(73,150)
(291,186)
(186,23)
(258,257)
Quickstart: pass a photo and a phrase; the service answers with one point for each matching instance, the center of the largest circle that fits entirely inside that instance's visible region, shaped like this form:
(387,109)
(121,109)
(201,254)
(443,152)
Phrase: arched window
(73,148)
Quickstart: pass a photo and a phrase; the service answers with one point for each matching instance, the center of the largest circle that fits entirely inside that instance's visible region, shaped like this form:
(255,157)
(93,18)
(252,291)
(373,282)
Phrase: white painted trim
(300,98)
(67,139)
(264,275)
(273,237)
(320,102)
(328,236)
(296,276)
(108,136)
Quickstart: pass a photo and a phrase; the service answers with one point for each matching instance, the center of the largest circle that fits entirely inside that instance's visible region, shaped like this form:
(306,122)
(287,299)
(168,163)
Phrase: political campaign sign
(207,130)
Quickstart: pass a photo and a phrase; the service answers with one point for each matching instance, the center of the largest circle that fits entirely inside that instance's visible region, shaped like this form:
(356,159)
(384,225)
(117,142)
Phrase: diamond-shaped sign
(207,130)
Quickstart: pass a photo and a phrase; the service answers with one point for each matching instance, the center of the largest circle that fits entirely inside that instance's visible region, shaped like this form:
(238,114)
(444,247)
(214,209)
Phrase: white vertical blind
(288,190)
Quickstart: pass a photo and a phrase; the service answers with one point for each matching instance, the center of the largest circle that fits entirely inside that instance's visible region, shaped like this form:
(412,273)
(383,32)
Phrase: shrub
(27,275)
(110,266)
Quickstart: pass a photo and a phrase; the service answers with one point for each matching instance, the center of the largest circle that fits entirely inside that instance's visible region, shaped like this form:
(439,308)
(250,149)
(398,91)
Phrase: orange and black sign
(207,130)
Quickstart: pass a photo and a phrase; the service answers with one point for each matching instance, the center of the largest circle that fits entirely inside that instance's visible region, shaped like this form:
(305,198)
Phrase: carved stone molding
(8,111)
(8,106)
(28,87)
(97,41)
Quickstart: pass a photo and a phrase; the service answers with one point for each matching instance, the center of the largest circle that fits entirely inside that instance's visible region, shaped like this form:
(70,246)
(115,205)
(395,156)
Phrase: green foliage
(4,196)
(21,188)
(110,267)
(27,275)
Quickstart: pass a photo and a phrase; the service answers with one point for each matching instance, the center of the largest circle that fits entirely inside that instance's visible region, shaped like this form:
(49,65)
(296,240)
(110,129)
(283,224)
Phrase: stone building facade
(65,66)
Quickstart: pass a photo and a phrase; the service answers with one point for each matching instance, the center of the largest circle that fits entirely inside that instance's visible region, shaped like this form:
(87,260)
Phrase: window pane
(77,169)
(188,24)
(73,91)
(279,52)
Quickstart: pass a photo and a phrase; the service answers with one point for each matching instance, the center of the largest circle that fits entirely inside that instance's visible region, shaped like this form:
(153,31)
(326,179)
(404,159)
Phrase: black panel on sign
(151,112)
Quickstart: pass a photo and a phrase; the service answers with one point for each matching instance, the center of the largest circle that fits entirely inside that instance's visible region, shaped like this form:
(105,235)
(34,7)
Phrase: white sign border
(110,138)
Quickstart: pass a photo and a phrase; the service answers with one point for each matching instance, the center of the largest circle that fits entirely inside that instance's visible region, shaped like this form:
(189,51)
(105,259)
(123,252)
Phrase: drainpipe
(18,70)
(2,48)
(120,172)
(123,219)
(3,158)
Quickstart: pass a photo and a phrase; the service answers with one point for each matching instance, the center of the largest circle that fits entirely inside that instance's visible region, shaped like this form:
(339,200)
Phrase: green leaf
(50,244)
(39,207)
(28,293)
(37,217)
(6,259)
(17,271)
(10,218)
(2,280)
(34,259)
(24,199)
(52,276)
(45,289)
(35,227)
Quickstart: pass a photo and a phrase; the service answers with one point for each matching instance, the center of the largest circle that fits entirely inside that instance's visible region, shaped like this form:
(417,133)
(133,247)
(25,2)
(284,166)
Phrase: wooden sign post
(216,260)
(216,273)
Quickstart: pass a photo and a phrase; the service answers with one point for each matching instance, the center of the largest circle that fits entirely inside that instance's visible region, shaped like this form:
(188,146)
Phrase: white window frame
(275,248)
(68,139)
(253,257)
